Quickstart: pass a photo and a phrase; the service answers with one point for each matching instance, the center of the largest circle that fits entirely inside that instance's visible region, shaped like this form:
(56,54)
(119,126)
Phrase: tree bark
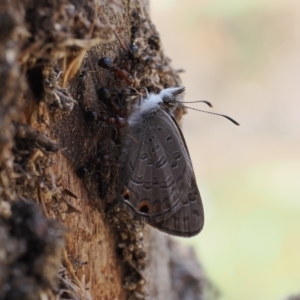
(60,143)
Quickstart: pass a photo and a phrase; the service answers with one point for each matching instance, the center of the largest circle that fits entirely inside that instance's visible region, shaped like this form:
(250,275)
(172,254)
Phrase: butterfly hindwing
(157,168)
(188,220)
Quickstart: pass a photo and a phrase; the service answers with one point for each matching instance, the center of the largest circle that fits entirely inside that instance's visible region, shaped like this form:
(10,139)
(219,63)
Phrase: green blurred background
(244,57)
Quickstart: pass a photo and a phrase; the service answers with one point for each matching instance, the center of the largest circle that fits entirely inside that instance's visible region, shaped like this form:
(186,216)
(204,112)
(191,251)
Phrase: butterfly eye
(144,207)
(169,101)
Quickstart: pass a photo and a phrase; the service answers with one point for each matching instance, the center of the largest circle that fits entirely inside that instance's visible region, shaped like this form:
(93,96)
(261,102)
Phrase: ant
(121,71)
(122,74)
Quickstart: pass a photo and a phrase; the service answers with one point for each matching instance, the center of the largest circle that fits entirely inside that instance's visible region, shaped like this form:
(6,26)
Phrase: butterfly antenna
(208,112)
(204,101)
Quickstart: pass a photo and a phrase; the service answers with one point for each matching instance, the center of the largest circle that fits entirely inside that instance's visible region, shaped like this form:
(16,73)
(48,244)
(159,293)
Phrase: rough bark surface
(61,136)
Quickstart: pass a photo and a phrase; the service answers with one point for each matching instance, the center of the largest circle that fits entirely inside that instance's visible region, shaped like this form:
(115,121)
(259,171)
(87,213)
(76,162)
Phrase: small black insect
(106,63)
(90,116)
(81,172)
(135,51)
(104,94)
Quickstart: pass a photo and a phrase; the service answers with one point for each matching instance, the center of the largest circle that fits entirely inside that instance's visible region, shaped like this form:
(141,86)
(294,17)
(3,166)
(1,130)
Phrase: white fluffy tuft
(152,102)
(148,104)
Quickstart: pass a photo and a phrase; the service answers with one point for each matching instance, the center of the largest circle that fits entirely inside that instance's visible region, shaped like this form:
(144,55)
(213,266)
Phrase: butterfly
(159,184)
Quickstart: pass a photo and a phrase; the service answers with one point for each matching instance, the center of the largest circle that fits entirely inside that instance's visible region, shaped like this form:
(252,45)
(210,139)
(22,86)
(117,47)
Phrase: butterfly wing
(188,220)
(157,168)
(158,176)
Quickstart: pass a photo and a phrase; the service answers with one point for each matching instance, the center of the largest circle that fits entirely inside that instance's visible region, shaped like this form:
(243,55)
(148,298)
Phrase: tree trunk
(61,136)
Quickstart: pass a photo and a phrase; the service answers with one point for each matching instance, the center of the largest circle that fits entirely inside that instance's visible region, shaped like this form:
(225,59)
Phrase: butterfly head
(169,96)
